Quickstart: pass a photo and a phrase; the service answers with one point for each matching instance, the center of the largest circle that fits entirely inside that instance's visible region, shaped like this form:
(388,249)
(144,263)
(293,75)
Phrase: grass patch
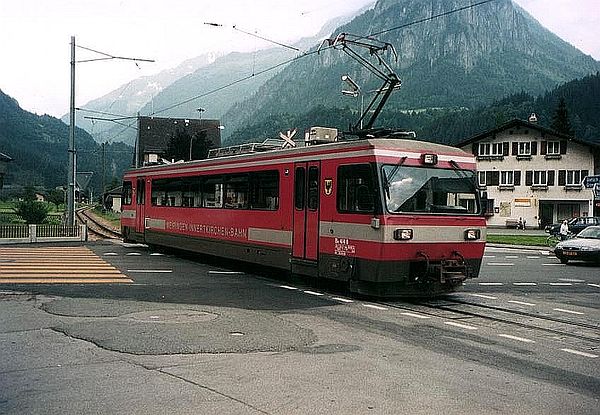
(531,240)
(109,216)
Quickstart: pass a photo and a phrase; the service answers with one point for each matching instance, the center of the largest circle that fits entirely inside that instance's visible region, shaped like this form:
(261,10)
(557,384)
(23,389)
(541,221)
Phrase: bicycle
(555,238)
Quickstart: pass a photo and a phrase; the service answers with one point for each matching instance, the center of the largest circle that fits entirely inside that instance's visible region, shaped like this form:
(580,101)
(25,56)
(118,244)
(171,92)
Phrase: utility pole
(72,152)
(103,173)
(71,173)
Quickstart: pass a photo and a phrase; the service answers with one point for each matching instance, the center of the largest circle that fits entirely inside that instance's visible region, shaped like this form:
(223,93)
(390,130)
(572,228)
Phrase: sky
(35,37)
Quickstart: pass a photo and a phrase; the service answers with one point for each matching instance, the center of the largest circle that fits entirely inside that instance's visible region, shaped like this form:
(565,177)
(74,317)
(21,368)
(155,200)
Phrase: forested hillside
(38,145)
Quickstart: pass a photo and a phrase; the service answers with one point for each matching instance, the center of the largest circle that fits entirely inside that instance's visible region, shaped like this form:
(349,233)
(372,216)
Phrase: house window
(553,148)
(481,177)
(491,149)
(573,178)
(524,149)
(506,178)
(540,178)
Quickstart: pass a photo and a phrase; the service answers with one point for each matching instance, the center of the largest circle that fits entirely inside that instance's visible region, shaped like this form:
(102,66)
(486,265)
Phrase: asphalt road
(183,335)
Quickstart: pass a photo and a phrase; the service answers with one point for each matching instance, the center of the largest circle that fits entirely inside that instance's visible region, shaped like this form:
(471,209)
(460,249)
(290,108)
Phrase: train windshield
(429,190)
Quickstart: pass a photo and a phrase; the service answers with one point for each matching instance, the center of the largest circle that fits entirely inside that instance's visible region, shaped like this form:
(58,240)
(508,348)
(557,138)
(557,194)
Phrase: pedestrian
(520,223)
(524,223)
(564,230)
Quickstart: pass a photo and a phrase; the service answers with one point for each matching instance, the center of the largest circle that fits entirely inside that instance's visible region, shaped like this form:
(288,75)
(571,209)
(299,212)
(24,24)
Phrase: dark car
(583,247)
(576,225)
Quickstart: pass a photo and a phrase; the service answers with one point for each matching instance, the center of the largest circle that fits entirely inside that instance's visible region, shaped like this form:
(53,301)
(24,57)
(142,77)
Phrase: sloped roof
(522,123)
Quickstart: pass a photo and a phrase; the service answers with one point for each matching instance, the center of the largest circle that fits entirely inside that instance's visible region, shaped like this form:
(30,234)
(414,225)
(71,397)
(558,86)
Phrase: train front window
(429,190)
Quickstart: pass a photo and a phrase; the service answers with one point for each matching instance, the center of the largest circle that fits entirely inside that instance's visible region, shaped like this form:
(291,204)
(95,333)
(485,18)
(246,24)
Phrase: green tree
(57,197)
(32,211)
(199,145)
(179,145)
(560,120)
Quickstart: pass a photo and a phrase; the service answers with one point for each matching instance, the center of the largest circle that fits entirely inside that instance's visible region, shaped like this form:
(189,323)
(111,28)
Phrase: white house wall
(524,200)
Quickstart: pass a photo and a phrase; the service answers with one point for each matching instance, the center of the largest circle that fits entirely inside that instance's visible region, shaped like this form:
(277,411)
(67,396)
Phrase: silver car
(585,246)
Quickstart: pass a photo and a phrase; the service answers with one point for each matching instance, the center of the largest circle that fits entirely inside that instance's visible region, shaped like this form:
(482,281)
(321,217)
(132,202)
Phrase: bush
(32,211)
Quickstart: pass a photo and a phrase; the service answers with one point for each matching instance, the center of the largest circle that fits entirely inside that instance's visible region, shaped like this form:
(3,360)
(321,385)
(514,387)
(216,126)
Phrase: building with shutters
(534,174)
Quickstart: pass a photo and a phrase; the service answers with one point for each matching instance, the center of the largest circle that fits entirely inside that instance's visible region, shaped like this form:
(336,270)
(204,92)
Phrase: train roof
(335,149)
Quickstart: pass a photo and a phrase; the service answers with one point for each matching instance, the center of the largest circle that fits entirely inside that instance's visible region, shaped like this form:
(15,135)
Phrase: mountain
(130,97)
(461,60)
(38,145)
(219,81)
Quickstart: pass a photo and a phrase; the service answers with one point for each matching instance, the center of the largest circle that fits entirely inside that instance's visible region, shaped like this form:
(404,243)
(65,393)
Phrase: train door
(140,203)
(306,210)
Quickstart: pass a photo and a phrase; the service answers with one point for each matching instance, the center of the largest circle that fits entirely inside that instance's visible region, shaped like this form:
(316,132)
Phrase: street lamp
(196,135)
(72,161)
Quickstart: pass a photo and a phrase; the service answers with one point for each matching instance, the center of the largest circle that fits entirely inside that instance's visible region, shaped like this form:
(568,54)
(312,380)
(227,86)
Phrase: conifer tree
(560,120)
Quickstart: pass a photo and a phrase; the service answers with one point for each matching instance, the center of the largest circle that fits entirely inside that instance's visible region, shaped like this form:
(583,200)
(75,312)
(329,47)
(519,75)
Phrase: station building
(535,174)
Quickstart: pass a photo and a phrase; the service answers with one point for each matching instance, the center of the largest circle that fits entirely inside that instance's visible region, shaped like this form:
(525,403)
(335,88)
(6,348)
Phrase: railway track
(96,229)
(538,321)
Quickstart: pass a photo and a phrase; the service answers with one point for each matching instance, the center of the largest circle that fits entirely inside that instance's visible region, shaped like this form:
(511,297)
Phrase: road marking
(133,254)
(489,256)
(156,254)
(577,352)
(57,265)
(312,292)
(554,264)
(226,272)
(287,287)
(376,307)
(562,310)
(533,257)
(511,256)
(519,339)
(111,254)
(521,303)
(415,315)
(594,285)
(490,283)
(343,300)
(500,264)
(462,326)
(560,284)
(525,283)
(150,271)
(489,297)
(570,280)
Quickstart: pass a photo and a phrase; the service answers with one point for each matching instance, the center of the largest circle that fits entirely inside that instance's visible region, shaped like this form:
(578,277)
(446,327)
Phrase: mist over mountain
(462,60)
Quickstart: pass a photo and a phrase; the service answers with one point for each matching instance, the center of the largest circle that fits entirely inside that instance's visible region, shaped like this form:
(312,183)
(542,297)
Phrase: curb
(527,247)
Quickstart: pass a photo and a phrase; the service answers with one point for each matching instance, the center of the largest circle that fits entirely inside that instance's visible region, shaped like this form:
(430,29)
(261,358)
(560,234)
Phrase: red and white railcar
(391,217)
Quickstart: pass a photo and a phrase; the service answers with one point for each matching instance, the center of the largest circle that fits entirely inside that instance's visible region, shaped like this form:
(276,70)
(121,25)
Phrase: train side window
(355,189)
(299,187)
(313,188)
(264,190)
(127,193)
(212,192)
(236,192)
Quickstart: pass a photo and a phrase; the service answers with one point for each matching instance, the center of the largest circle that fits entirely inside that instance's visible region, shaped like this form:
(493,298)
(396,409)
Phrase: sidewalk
(528,232)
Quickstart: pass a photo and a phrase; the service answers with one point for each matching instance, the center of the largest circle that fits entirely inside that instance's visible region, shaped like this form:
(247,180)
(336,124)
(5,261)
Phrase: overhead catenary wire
(307,54)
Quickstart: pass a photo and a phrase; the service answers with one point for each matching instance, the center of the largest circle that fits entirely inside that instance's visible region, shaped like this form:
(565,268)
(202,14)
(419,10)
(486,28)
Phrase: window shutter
(563,147)
(494,178)
(517,177)
(528,178)
(584,174)
(505,149)
(515,148)
(562,177)
(544,148)
(534,148)
(550,177)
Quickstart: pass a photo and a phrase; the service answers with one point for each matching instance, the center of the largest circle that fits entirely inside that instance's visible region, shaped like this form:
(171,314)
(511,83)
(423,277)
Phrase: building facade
(534,175)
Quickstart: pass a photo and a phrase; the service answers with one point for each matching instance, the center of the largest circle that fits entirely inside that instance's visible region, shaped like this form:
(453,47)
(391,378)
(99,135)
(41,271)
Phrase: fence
(21,233)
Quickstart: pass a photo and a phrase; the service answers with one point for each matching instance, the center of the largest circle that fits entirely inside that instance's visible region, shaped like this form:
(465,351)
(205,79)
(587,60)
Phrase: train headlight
(403,234)
(472,234)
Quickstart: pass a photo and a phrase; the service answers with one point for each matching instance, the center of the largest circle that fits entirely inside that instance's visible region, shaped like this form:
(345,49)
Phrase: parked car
(585,246)
(576,225)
